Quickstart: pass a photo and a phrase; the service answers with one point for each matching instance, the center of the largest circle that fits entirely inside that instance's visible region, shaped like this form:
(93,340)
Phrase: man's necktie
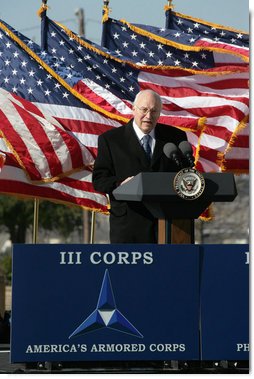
(146,145)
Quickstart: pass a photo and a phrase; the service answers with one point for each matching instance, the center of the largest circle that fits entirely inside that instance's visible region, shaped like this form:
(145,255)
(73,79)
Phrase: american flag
(107,80)
(75,189)
(219,39)
(222,99)
(209,35)
(133,41)
(177,48)
(26,77)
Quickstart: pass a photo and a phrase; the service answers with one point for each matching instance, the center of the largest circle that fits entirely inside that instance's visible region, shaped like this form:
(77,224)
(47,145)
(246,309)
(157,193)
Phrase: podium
(156,191)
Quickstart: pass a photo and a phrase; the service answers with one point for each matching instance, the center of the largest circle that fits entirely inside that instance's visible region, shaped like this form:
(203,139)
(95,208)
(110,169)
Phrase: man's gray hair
(156,95)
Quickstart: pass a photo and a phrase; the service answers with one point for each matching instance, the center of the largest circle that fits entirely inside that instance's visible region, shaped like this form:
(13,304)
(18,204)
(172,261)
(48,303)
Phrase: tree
(16,217)
(64,219)
(6,267)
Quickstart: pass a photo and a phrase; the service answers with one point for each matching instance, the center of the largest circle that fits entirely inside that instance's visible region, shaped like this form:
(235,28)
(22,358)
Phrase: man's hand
(126,180)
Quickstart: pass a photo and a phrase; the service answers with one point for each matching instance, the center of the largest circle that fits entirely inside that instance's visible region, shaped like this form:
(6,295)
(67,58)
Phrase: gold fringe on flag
(177,45)
(42,9)
(221,160)
(138,66)
(202,129)
(218,26)
(207,215)
(201,123)
(106,11)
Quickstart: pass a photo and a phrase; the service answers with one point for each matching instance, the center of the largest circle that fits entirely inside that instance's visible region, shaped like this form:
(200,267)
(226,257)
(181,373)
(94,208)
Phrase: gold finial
(169,6)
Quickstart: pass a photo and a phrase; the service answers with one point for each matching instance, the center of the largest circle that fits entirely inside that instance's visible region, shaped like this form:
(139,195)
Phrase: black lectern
(156,191)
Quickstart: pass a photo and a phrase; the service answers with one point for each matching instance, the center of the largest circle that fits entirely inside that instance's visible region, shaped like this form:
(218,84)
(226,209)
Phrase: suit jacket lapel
(158,149)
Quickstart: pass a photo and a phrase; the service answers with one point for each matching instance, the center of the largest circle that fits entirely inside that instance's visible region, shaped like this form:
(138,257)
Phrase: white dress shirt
(140,135)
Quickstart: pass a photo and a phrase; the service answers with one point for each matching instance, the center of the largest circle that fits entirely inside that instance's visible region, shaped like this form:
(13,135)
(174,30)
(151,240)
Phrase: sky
(22,15)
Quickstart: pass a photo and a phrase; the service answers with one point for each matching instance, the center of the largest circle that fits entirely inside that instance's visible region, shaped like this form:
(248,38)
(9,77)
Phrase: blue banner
(105,302)
(225,302)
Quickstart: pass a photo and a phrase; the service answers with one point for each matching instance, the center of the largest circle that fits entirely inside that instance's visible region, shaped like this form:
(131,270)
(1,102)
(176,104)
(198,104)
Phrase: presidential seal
(189,184)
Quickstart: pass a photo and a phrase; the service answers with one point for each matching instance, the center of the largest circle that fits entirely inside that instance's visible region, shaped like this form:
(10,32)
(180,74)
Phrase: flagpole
(168,8)
(43,13)
(36,220)
(105,13)
(92,227)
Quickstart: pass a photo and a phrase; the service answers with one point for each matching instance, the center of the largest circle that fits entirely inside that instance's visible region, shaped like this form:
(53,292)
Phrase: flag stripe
(43,149)
(76,189)
(226,46)
(31,136)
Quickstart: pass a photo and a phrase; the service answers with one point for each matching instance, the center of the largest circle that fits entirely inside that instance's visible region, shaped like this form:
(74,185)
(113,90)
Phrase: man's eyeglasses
(144,111)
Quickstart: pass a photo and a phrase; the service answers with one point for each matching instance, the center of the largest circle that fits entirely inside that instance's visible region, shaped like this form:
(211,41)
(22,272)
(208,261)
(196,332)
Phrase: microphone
(172,152)
(187,152)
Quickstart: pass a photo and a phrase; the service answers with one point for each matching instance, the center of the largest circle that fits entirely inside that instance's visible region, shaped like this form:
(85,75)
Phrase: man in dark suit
(122,155)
